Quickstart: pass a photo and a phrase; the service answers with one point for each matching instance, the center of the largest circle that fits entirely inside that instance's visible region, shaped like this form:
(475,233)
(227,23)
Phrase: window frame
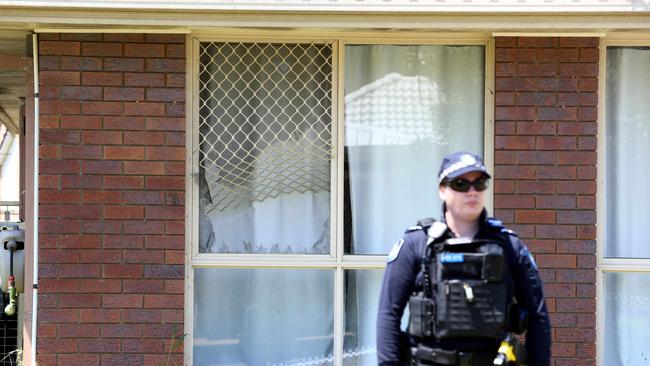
(337,260)
(605,264)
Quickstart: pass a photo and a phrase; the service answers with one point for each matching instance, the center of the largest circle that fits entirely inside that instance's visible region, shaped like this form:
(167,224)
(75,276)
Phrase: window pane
(405,108)
(265,147)
(627,305)
(263,316)
(361,304)
(628,149)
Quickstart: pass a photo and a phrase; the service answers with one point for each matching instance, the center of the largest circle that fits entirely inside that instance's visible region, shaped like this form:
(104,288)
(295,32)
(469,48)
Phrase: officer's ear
(441,192)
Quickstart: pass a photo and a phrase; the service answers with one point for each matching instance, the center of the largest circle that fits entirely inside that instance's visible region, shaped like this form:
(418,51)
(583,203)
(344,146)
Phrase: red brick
(540,187)
(587,172)
(101,78)
(576,275)
(576,217)
(556,172)
(586,202)
(555,202)
(58,256)
(174,228)
(144,109)
(166,94)
(555,231)
(576,187)
(504,186)
(124,242)
(78,331)
(123,64)
(58,226)
(144,79)
(82,92)
(175,168)
(586,231)
(55,285)
(556,260)
(79,359)
(144,227)
(123,37)
(99,345)
(165,183)
(558,54)
(576,305)
(101,226)
(514,172)
(175,257)
(579,42)
(165,38)
(588,84)
(578,69)
(81,122)
(587,261)
(122,330)
(102,167)
(121,182)
(101,49)
(175,80)
(101,108)
(80,301)
(556,143)
(163,301)
(165,153)
(535,217)
(512,201)
(60,107)
(59,78)
(175,51)
(49,122)
(51,92)
(576,246)
(81,152)
(587,143)
(577,128)
(47,330)
(100,285)
(58,48)
(122,360)
(121,301)
(165,213)
(143,316)
(559,289)
(80,241)
(164,271)
(50,152)
(78,270)
(144,286)
(48,316)
(504,98)
(144,50)
(123,153)
(142,346)
(99,316)
(143,198)
(81,63)
(124,93)
(144,138)
(165,65)
(175,109)
(59,137)
(536,99)
(165,124)
(536,42)
(144,167)
(505,42)
(49,63)
(81,36)
(48,196)
(57,345)
(123,212)
(588,114)
(173,316)
(48,181)
(514,142)
(101,197)
(124,123)
(537,69)
(514,113)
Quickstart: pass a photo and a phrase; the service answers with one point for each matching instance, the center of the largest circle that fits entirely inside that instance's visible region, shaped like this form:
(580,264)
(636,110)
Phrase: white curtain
(405,108)
(627,295)
(628,152)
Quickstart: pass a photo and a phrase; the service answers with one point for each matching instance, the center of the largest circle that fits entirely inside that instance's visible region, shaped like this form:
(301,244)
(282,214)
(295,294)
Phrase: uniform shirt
(403,276)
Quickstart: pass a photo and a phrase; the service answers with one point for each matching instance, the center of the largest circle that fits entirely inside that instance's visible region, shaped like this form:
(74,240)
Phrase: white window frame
(336,260)
(603,264)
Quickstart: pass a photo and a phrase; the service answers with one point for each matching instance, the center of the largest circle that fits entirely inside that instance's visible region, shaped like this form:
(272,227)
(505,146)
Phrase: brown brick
(175,168)
(166,94)
(101,256)
(144,138)
(101,78)
(101,49)
(122,330)
(165,65)
(556,172)
(82,92)
(537,42)
(123,360)
(101,167)
(81,181)
(101,226)
(122,182)
(514,113)
(144,109)
(165,183)
(165,124)
(175,50)
(143,198)
(81,63)
(57,345)
(537,69)
(165,153)
(58,48)
(99,345)
(175,109)
(123,64)
(124,94)
(143,316)
(555,231)
(124,123)
(165,213)
(123,241)
(49,63)
(102,108)
(123,212)
(50,152)
(144,79)
(578,42)
(81,152)
(142,346)
(163,301)
(514,172)
(514,142)
(81,122)
(59,78)
(535,217)
(175,80)
(144,227)
(144,50)
(555,202)
(60,107)
(165,38)
(123,153)
(99,316)
(123,37)
(556,143)
(78,359)
(81,36)
(121,301)
(511,201)
(100,285)
(556,260)
(144,286)
(102,197)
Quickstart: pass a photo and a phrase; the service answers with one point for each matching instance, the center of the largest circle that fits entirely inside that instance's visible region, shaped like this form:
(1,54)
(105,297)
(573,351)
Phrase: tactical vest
(464,292)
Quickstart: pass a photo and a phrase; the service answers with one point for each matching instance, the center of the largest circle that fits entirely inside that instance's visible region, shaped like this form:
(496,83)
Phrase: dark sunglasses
(463,185)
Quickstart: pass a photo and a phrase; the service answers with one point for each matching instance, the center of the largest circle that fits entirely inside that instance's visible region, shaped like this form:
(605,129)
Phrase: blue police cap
(456,164)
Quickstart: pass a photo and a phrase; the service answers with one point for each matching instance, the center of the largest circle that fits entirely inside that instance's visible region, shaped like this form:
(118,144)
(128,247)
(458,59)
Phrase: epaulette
(497,225)
(422,224)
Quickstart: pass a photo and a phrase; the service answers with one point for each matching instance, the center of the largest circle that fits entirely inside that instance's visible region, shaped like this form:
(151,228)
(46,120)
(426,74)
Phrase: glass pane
(627,305)
(9,175)
(628,149)
(265,119)
(405,108)
(263,316)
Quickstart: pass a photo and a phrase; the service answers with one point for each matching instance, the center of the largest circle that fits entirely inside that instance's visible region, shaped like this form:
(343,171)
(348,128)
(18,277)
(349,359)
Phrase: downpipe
(35,217)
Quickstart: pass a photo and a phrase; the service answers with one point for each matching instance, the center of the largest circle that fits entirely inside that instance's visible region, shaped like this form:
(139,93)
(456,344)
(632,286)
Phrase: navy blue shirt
(403,276)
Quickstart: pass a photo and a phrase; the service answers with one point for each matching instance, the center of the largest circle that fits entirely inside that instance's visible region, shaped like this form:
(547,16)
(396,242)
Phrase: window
(624,256)
(309,160)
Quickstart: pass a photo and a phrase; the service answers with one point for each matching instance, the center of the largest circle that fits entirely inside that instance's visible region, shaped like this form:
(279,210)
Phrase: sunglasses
(463,185)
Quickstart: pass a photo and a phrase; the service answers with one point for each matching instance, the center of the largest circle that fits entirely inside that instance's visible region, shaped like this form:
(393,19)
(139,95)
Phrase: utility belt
(423,355)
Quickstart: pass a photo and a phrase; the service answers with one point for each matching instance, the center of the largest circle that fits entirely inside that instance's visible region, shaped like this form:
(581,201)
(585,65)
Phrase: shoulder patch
(395,251)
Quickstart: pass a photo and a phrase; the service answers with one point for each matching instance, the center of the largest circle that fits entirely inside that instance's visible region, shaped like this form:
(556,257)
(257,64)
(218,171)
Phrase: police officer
(424,269)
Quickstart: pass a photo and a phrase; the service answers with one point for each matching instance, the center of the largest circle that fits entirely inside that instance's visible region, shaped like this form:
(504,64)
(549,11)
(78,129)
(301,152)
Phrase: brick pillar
(112,190)
(545,188)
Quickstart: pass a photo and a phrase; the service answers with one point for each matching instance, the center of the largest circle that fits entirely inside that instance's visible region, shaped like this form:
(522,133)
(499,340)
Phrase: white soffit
(406,6)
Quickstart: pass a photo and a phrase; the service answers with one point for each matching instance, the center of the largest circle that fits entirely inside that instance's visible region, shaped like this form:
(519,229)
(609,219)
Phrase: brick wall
(545,139)
(112,174)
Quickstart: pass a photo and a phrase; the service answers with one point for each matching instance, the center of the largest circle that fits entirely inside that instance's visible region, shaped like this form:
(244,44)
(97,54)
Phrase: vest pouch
(486,263)
(420,315)
(470,308)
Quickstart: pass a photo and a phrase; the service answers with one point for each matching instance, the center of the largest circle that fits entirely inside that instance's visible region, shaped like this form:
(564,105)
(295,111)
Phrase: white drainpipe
(35,218)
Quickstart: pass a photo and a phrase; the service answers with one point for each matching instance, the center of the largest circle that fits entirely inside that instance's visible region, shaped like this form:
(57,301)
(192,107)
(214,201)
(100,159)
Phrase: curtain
(405,108)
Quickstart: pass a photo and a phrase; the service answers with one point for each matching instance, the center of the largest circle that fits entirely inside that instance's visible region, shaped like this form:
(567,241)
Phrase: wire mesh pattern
(265,117)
